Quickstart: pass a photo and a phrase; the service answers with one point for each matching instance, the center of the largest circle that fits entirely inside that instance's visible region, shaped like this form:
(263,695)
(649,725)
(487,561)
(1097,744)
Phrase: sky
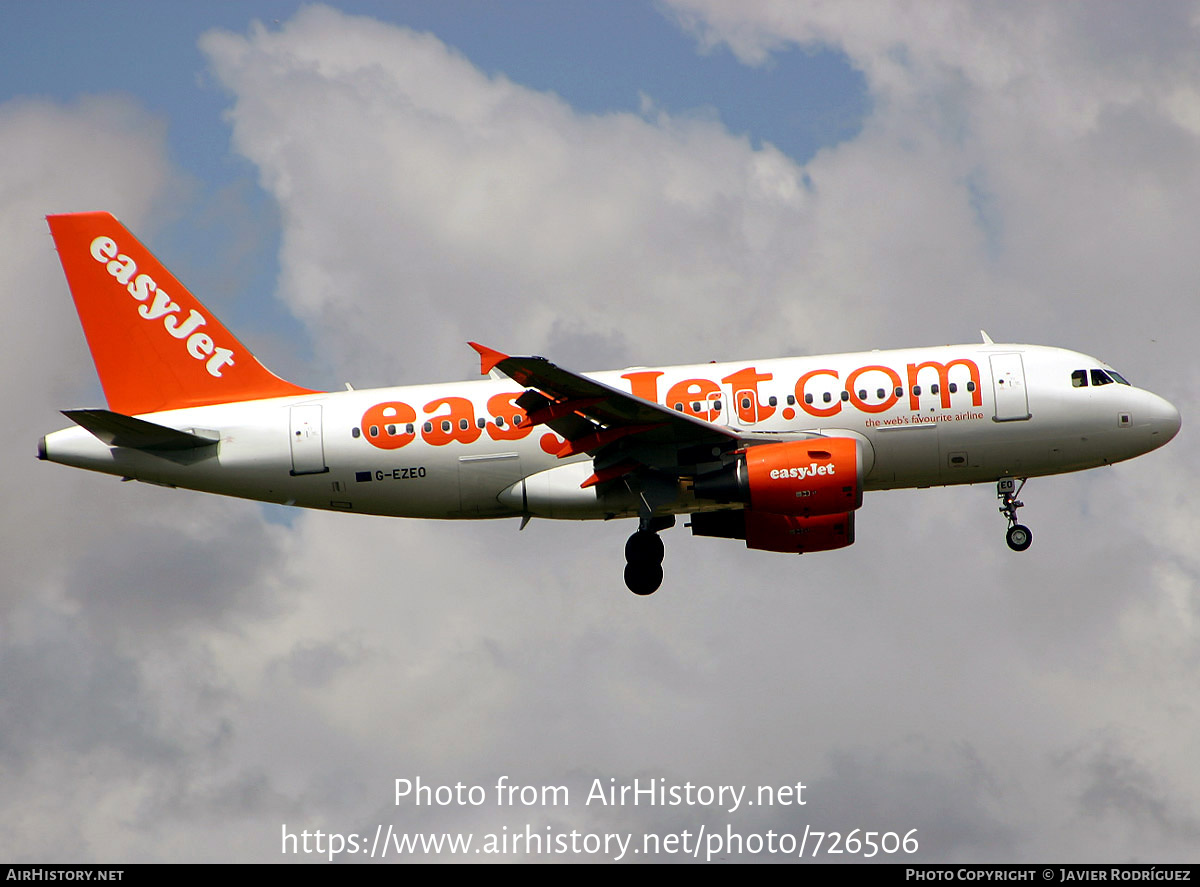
(358,190)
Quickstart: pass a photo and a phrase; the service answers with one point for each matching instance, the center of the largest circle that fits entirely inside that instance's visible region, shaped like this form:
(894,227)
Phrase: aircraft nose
(1164,420)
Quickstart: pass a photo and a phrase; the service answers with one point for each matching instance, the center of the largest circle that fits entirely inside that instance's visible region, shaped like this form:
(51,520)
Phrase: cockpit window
(1118,377)
(1079,378)
(1099,377)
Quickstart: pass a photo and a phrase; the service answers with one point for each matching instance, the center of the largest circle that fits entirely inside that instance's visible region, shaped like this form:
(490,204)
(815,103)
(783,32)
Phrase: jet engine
(801,478)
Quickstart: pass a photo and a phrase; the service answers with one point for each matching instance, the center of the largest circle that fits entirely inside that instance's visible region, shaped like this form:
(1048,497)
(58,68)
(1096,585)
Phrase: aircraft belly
(906,457)
(482,479)
(558,493)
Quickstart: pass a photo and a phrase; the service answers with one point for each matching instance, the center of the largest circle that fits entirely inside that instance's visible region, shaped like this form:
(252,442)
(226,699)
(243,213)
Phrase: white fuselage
(926,416)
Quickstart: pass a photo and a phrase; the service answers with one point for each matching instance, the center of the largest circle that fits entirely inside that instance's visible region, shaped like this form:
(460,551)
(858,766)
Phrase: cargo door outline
(308,447)
(1008,388)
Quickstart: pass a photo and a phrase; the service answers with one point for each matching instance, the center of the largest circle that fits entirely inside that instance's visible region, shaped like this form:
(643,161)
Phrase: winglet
(488,357)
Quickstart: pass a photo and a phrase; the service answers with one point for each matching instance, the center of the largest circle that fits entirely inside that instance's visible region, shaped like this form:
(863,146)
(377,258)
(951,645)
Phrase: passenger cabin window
(1079,379)
(1099,377)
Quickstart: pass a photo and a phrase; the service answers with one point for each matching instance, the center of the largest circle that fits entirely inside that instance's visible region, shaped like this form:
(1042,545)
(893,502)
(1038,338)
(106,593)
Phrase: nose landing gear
(1019,537)
(644,556)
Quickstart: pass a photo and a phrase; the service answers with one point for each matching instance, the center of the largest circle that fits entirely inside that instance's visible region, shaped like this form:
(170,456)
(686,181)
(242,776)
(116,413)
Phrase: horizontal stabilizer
(119,430)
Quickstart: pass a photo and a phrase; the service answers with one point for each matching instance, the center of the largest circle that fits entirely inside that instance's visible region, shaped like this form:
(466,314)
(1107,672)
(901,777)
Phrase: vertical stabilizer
(156,347)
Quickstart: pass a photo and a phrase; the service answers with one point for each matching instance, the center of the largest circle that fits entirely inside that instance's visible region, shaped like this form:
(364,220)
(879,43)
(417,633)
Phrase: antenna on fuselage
(987,340)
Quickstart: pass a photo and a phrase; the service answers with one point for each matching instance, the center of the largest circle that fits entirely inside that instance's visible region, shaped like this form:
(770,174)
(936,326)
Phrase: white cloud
(393,159)
(1061,136)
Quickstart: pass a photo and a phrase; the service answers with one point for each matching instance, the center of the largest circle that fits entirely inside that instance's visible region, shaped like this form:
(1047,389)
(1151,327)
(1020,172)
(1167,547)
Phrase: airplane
(775,453)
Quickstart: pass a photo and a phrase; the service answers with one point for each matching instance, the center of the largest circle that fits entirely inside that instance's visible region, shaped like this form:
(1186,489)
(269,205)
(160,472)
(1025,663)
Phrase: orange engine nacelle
(803,478)
(820,476)
(778,532)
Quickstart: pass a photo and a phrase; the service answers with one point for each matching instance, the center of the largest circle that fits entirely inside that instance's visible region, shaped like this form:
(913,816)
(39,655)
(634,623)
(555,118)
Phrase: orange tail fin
(156,347)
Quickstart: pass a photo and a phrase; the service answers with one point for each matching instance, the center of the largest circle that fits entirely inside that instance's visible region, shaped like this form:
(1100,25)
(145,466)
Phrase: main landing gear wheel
(643,579)
(644,556)
(645,547)
(1018,536)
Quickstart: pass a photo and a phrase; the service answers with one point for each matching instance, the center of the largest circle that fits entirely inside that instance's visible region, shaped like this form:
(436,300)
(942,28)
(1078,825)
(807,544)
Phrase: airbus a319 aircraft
(777,453)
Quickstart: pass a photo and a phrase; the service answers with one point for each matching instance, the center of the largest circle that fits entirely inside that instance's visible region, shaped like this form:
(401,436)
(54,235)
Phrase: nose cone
(1163,420)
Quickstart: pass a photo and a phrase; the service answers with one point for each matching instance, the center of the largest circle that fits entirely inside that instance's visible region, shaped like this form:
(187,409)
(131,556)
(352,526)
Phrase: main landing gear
(1018,536)
(644,556)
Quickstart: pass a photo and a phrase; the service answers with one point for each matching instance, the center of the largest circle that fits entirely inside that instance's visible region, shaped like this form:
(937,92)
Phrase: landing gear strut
(1018,536)
(644,556)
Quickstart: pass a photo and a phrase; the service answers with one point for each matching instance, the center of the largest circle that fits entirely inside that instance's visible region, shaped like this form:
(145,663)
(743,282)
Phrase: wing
(609,409)
(625,434)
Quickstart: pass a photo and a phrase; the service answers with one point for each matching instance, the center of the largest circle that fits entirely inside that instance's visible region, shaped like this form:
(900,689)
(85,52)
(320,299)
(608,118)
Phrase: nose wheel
(1019,536)
(644,556)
